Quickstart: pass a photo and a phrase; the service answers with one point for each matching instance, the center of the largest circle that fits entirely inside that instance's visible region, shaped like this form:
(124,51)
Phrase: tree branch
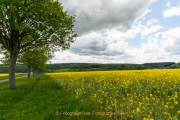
(2,42)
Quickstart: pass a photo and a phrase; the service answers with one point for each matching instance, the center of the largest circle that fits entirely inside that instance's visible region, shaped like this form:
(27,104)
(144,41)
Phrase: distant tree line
(19,69)
(159,65)
(131,68)
(95,67)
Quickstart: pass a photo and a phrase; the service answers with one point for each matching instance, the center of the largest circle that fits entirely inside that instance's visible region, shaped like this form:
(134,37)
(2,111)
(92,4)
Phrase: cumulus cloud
(150,52)
(154,37)
(106,50)
(135,29)
(103,26)
(104,14)
(150,29)
(150,22)
(110,42)
(119,35)
(171,42)
(89,44)
(168,4)
(150,48)
(173,11)
(161,47)
(95,44)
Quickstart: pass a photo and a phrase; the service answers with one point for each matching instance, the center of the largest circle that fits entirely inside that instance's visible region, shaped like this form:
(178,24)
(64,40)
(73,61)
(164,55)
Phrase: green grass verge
(42,98)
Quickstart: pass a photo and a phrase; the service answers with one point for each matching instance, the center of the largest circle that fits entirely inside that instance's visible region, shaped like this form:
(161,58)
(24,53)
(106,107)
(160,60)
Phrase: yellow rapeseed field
(8,74)
(137,94)
(4,75)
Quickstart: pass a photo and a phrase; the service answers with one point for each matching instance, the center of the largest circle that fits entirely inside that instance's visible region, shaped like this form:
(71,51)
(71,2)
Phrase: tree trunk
(29,71)
(12,82)
(33,72)
(36,72)
(9,71)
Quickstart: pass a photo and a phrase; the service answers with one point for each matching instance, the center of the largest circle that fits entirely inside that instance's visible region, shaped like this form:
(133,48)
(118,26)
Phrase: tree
(139,68)
(28,24)
(36,59)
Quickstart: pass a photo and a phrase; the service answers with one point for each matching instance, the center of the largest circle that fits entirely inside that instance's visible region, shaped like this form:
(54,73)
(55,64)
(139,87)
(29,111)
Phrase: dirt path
(8,79)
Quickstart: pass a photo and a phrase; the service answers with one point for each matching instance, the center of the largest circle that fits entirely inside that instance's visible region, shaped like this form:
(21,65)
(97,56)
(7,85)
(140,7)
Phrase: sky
(123,31)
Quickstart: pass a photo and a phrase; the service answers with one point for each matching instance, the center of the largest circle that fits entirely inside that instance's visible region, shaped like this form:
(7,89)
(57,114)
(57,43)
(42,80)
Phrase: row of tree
(30,25)
(35,59)
(132,68)
(96,66)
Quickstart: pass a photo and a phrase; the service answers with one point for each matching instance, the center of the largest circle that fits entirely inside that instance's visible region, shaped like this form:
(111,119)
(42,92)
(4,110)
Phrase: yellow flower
(148,119)
(125,89)
(137,109)
(4,75)
(175,94)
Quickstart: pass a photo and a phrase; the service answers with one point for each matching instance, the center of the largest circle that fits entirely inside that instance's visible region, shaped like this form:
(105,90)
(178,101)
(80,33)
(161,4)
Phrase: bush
(134,68)
(120,68)
(139,68)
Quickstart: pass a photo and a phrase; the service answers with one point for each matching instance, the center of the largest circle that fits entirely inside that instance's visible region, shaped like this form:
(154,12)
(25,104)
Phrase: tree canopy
(36,59)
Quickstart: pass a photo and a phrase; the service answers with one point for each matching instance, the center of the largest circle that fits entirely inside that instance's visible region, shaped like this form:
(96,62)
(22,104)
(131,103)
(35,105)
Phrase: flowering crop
(138,94)
(8,74)
(4,75)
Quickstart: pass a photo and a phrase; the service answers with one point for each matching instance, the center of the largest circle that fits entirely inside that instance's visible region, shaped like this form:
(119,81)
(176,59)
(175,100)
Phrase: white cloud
(150,22)
(154,37)
(104,14)
(150,48)
(168,4)
(110,42)
(146,31)
(142,16)
(131,33)
(173,11)
(171,42)
(150,52)
(118,35)
(167,51)
(98,44)
(114,51)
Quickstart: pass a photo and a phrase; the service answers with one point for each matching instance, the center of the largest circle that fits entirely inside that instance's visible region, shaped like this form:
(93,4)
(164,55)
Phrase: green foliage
(131,68)
(139,68)
(34,23)
(95,66)
(177,65)
(29,24)
(37,58)
(120,68)
(19,69)
(159,65)
(87,66)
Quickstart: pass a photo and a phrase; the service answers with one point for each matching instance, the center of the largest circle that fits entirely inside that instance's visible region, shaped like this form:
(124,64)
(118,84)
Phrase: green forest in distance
(65,67)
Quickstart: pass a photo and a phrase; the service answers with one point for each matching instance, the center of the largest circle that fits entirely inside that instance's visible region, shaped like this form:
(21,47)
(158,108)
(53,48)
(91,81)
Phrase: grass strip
(42,98)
